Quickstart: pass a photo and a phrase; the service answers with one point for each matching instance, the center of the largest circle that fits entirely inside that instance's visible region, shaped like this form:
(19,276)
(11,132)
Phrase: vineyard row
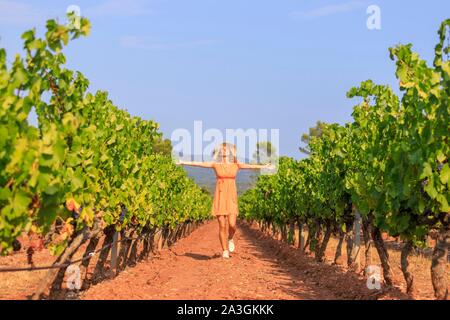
(388,167)
(88,166)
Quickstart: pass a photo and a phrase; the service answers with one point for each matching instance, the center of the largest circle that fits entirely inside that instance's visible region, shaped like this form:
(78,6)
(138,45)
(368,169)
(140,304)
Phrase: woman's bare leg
(231,225)
(223,231)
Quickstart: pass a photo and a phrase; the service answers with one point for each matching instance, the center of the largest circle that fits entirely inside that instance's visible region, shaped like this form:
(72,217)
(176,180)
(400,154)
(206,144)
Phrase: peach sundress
(225,198)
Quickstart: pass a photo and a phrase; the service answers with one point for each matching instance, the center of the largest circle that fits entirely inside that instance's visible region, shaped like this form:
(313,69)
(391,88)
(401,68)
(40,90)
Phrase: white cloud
(146,43)
(20,13)
(326,10)
(118,8)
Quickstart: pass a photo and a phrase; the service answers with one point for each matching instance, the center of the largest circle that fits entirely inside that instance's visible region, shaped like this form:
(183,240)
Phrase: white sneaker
(226,254)
(231,245)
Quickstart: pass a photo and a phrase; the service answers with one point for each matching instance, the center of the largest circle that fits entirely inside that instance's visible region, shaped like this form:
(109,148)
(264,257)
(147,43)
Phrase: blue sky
(238,63)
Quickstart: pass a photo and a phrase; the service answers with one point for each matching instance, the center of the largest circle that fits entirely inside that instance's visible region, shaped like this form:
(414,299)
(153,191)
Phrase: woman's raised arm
(196,164)
(254,166)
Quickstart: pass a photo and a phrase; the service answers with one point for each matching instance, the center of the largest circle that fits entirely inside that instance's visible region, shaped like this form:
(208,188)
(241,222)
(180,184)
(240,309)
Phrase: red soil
(261,268)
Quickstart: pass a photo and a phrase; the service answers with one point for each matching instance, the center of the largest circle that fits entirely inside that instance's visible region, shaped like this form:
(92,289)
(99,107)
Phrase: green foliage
(308,190)
(265,152)
(87,160)
(315,131)
(390,163)
(163,146)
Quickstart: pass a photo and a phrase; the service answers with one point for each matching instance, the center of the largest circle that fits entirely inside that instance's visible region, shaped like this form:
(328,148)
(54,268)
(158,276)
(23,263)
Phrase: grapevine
(389,166)
(88,163)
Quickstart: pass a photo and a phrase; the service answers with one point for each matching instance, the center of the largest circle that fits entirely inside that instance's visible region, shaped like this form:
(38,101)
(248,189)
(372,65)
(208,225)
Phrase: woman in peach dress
(225,204)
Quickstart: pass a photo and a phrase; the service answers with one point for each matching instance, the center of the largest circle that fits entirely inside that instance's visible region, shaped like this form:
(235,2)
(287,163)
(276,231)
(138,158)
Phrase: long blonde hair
(231,150)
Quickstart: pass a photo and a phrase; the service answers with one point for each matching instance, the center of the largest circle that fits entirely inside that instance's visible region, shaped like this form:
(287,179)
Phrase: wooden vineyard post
(291,234)
(114,254)
(301,237)
(356,250)
(159,244)
(297,231)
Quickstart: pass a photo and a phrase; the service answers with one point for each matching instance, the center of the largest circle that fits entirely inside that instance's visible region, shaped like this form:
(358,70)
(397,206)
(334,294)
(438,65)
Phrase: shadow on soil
(330,280)
(197,256)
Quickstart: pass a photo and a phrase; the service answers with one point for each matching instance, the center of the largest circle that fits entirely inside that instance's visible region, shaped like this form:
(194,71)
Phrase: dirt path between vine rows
(261,268)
